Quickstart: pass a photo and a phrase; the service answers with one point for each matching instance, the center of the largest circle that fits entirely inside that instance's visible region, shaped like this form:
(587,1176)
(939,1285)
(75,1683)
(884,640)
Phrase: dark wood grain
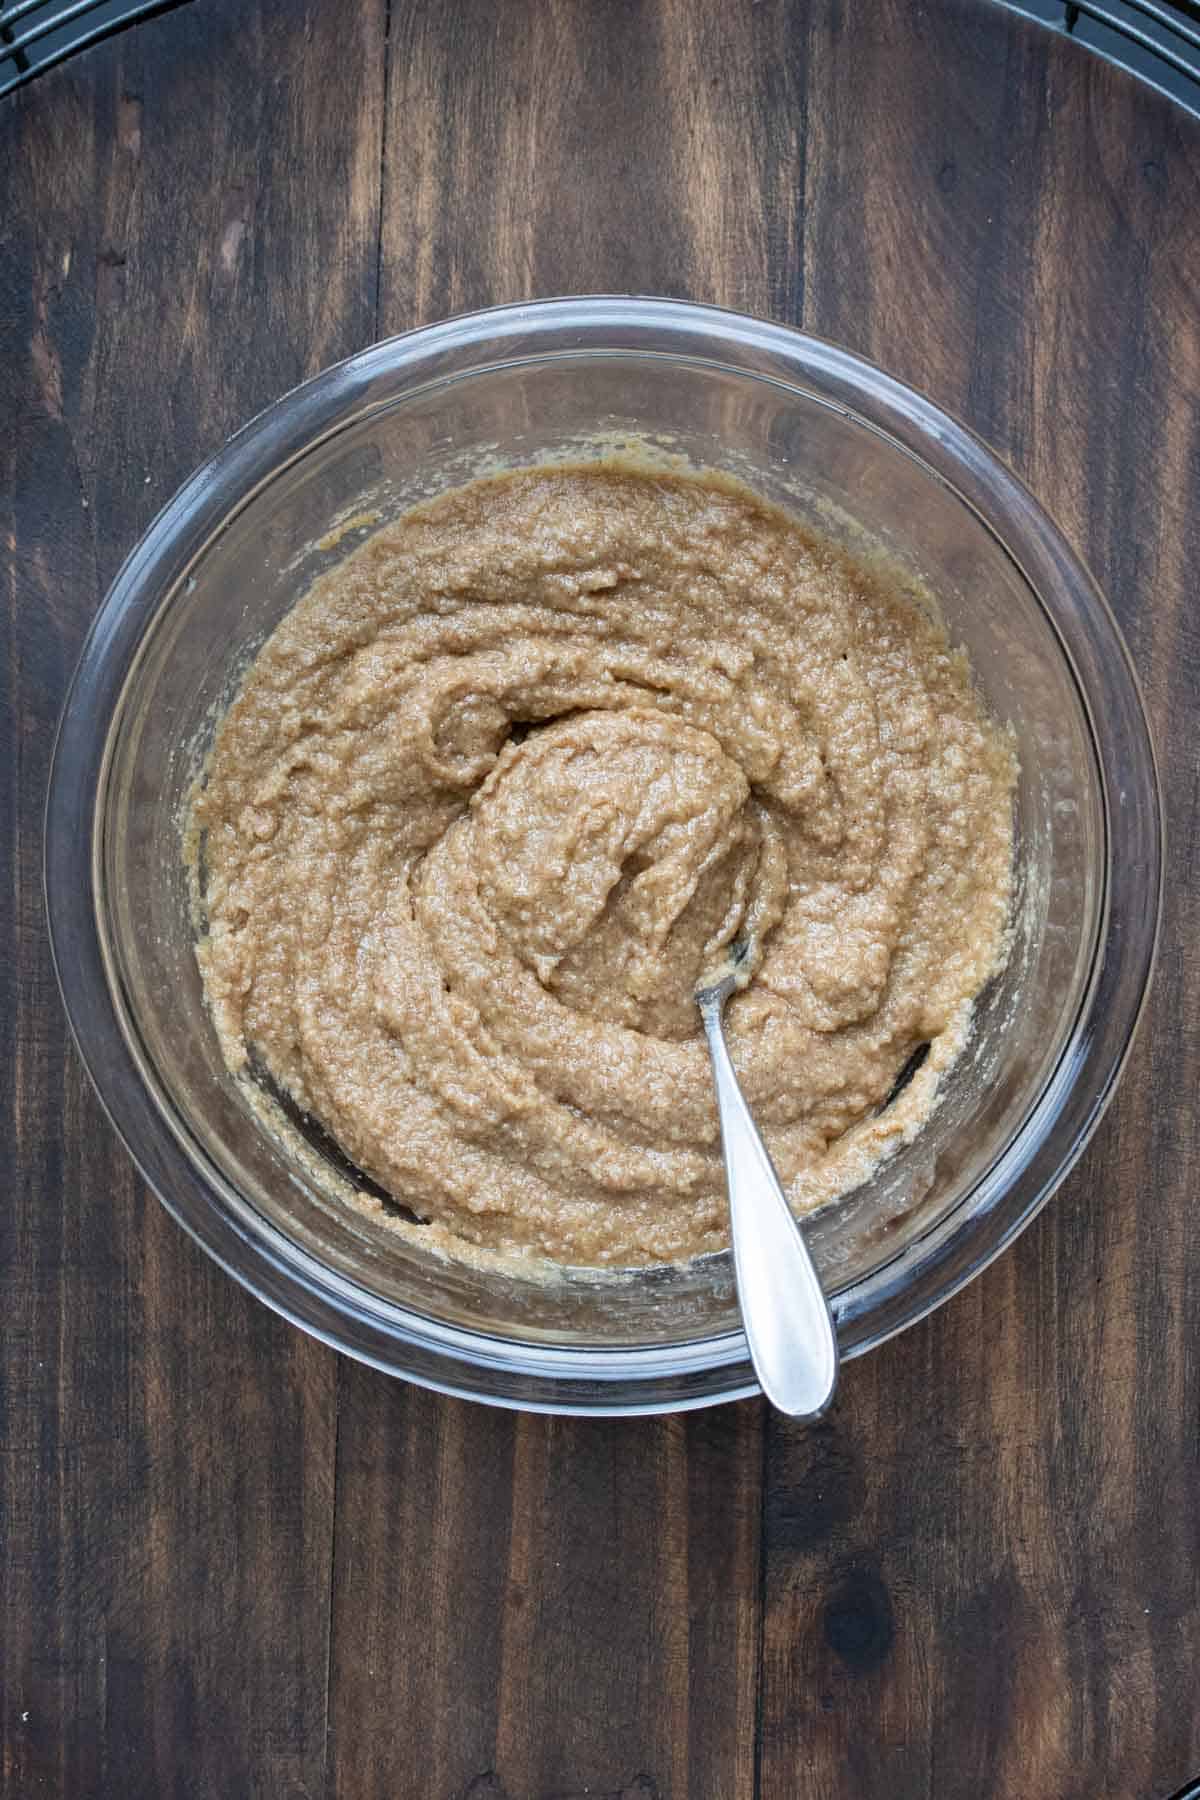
(982,1575)
(596,1584)
(166,1476)
(549,1606)
(230,1564)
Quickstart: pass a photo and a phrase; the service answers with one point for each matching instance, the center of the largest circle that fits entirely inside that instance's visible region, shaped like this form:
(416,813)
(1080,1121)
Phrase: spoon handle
(793,1345)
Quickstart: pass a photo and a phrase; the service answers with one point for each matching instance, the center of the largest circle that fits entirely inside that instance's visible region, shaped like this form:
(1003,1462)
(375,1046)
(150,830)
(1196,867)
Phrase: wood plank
(542,1606)
(981,1574)
(551,147)
(599,1580)
(166,1444)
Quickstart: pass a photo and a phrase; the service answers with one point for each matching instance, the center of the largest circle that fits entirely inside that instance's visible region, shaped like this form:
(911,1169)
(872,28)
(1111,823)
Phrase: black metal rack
(1155,40)
(36,34)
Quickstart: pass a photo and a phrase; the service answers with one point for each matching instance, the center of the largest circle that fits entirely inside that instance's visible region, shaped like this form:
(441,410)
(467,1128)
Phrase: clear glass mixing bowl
(825,435)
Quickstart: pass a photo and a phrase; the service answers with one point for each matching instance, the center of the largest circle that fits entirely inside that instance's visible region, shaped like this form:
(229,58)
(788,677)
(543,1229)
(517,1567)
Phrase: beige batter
(503,785)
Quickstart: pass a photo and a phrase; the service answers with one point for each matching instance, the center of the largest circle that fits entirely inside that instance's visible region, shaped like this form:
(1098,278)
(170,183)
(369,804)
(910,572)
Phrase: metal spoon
(793,1344)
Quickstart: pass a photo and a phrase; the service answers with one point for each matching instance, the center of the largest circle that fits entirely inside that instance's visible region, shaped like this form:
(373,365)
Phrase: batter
(502,787)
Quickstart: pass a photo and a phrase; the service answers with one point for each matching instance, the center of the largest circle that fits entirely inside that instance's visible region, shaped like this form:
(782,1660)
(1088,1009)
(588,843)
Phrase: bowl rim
(475,1364)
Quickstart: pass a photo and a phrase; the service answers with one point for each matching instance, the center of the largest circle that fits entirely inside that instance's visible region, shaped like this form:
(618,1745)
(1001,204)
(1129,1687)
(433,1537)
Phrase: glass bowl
(841,445)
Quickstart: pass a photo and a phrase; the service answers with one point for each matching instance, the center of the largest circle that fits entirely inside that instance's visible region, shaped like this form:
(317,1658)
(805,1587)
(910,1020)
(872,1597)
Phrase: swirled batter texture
(501,788)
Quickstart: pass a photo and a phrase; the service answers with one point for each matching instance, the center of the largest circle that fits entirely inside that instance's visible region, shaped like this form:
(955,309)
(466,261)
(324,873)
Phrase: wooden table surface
(233,1564)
